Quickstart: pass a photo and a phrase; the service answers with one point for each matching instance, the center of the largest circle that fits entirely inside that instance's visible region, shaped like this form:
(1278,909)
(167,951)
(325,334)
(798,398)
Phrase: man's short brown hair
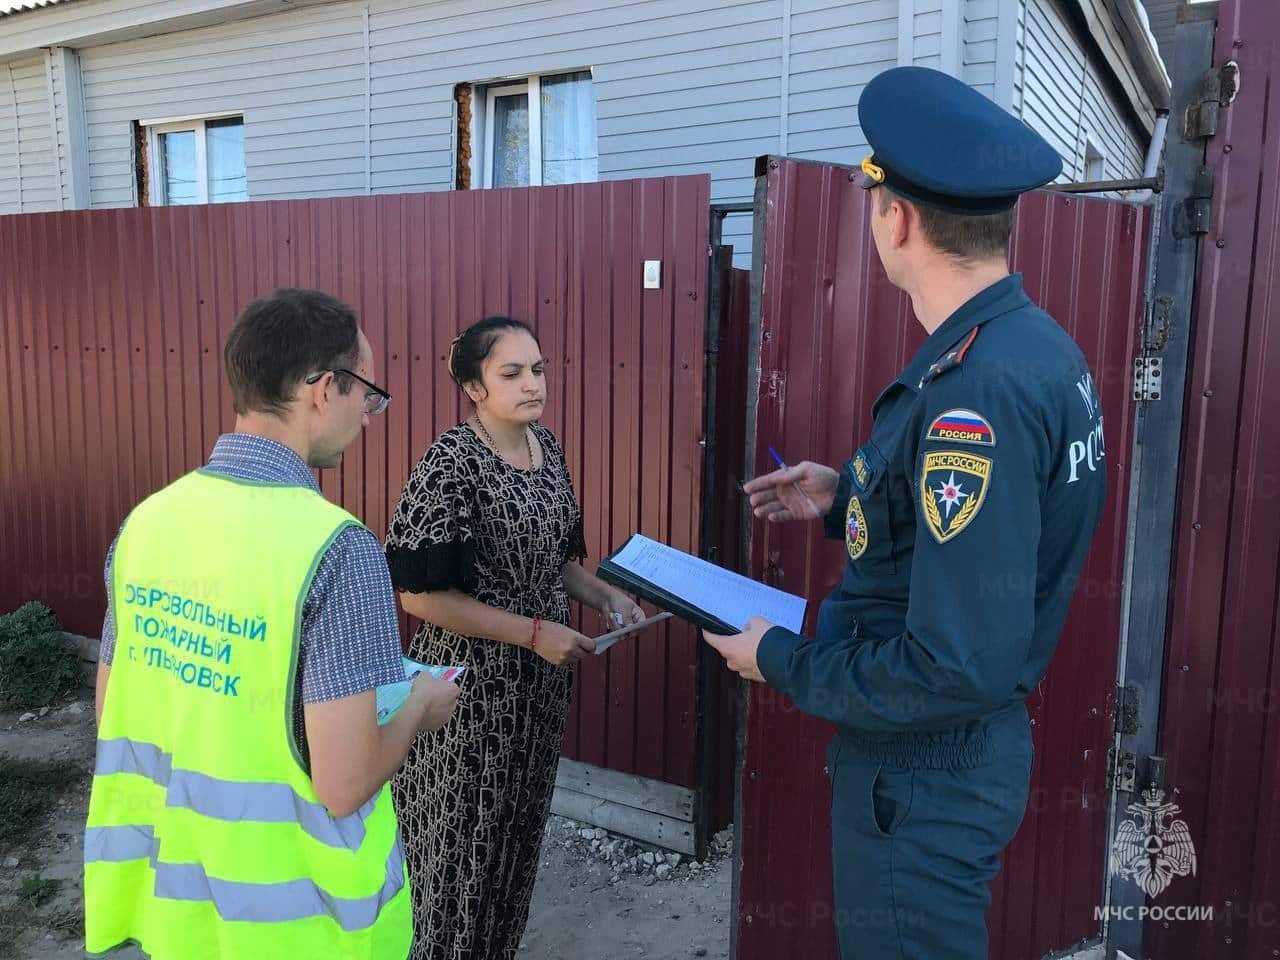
(965,238)
(282,338)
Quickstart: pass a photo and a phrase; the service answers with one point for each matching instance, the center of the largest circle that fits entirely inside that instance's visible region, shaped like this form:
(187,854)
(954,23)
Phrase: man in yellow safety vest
(240,805)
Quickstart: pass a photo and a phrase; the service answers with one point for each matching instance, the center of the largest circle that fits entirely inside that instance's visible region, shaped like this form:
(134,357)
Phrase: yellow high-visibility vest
(205,838)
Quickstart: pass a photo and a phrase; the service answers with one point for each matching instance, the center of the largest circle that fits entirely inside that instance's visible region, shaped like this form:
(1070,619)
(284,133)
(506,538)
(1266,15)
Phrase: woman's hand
(619,610)
(561,645)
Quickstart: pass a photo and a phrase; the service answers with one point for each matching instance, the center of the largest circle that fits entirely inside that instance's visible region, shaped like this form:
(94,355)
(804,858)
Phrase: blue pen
(777,459)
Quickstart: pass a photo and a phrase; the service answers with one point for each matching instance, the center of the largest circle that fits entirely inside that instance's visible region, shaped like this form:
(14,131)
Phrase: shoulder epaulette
(952,358)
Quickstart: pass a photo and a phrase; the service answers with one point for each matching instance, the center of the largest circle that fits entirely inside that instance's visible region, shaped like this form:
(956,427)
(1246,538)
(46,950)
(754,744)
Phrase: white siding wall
(24,105)
(1017,104)
(682,86)
(62,129)
(981,20)
(927,50)
(1104,123)
(835,51)
(9,168)
(299,79)
(1063,96)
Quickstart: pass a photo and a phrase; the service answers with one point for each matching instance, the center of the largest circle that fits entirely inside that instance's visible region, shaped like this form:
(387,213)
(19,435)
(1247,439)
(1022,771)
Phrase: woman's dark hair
(472,347)
(282,338)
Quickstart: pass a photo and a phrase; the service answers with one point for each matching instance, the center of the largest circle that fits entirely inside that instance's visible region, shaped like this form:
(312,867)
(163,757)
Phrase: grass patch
(28,791)
(68,923)
(36,664)
(14,919)
(36,890)
(19,914)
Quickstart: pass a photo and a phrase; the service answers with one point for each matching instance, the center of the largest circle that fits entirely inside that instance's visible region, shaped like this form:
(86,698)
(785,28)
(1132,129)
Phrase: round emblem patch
(855,529)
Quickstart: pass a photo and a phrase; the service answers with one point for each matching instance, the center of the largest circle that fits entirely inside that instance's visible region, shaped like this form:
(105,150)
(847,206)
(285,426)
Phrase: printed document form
(721,593)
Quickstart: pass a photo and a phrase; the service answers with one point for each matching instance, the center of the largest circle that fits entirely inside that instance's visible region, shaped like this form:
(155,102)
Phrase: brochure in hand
(391,696)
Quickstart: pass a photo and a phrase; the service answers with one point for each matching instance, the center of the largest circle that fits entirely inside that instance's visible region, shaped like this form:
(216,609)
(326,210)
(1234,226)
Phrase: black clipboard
(625,580)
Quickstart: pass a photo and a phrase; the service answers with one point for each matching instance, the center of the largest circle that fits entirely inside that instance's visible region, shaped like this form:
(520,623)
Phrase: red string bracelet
(533,641)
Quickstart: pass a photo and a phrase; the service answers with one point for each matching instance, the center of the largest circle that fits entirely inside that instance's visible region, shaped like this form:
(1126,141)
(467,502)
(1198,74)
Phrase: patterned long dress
(473,798)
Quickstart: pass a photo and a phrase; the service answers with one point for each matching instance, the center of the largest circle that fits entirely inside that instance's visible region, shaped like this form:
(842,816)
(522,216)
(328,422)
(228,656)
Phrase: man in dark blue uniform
(967,515)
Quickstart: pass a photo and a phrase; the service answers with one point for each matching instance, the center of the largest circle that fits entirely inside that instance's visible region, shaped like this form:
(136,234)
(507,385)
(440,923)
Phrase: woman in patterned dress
(484,548)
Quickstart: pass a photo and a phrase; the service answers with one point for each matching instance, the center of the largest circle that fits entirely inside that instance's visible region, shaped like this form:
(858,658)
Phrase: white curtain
(224,140)
(511,140)
(569,129)
(179,151)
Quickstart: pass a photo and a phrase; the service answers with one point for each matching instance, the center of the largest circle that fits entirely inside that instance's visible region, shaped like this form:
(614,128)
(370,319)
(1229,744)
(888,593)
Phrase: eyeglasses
(375,400)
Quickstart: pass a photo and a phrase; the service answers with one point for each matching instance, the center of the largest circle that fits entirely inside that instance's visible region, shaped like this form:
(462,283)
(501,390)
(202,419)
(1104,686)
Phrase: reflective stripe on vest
(231,800)
(235,900)
(117,844)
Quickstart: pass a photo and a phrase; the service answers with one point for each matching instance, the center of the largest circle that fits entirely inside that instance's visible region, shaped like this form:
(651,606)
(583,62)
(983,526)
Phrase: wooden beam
(642,825)
(628,789)
(638,807)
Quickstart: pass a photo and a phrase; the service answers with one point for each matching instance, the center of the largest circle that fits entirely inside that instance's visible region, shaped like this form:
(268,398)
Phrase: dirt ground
(584,906)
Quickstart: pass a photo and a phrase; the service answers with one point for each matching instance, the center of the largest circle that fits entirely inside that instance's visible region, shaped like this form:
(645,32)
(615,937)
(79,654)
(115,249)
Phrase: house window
(197,161)
(1095,162)
(540,131)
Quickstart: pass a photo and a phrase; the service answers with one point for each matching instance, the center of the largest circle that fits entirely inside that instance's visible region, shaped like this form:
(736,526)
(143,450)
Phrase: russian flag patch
(962,426)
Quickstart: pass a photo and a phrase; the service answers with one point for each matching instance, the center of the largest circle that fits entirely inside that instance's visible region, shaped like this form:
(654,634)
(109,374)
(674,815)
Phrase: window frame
(532,88)
(482,152)
(155,156)
(1093,154)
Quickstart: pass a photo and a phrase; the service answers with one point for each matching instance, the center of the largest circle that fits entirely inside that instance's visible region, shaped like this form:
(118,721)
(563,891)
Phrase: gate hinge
(1128,710)
(1198,207)
(1122,770)
(1155,331)
(1218,87)
(1146,378)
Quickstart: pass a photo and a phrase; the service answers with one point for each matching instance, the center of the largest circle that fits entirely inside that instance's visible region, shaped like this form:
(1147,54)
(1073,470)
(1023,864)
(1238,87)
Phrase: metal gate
(1204,630)
(828,331)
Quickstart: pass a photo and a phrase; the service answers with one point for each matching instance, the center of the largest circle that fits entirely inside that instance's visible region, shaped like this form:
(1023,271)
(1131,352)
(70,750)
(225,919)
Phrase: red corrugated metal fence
(111,332)
(1220,725)
(833,333)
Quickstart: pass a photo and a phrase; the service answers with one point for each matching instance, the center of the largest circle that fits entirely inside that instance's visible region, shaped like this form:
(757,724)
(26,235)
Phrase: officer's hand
(803,492)
(439,698)
(739,650)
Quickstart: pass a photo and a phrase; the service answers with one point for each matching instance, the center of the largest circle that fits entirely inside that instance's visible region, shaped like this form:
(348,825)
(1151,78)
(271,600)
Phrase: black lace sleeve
(430,545)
